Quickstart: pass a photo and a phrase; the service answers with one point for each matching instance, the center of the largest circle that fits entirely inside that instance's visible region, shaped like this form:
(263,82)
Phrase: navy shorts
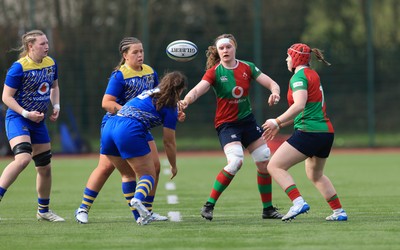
(312,144)
(246,131)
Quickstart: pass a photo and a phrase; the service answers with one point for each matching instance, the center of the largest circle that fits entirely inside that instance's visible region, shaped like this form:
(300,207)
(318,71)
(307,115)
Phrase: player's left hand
(273,99)
(174,171)
(183,104)
(181,114)
(270,130)
(54,115)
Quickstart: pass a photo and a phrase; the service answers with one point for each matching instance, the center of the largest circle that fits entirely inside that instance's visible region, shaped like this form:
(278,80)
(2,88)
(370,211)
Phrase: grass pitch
(367,184)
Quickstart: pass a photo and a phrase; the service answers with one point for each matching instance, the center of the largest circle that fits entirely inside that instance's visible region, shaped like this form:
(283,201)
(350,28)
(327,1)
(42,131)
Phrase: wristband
(56,106)
(25,114)
(278,122)
(274,122)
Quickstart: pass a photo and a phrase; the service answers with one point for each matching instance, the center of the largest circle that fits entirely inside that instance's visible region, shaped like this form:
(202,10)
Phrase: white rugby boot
(145,215)
(82,216)
(49,216)
(339,215)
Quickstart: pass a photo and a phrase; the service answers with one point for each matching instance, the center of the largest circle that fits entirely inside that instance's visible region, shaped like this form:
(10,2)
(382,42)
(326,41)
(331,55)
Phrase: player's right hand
(183,104)
(36,116)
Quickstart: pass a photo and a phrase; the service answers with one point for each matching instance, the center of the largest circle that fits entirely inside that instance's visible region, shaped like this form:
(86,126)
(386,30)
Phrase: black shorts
(312,144)
(246,131)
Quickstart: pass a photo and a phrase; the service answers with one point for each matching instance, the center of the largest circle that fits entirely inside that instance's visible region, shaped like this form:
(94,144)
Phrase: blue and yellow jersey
(142,108)
(33,82)
(127,83)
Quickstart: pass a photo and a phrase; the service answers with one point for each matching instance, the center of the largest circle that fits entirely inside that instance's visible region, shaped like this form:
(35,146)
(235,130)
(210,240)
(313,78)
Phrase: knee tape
(42,159)
(262,153)
(23,147)
(234,155)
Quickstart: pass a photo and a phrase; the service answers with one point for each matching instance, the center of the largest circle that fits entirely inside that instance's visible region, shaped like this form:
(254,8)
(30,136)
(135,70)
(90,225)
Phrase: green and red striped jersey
(232,87)
(313,118)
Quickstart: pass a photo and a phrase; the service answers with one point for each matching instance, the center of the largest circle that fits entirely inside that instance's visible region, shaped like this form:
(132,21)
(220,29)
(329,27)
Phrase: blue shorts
(124,137)
(18,125)
(246,131)
(149,136)
(312,144)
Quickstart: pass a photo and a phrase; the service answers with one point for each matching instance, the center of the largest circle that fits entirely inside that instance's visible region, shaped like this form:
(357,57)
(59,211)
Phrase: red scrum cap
(300,53)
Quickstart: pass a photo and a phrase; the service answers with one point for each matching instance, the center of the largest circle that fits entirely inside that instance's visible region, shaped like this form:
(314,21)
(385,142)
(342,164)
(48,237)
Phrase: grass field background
(367,183)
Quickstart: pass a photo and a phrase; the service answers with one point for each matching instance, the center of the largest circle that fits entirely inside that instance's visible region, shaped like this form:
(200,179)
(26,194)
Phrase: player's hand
(270,130)
(174,171)
(35,116)
(273,99)
(183,104)
(54,115)
(181,114)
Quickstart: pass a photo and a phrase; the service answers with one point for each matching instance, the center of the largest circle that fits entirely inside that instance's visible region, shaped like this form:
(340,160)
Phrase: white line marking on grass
(170,186)
(174,216)
(172,199)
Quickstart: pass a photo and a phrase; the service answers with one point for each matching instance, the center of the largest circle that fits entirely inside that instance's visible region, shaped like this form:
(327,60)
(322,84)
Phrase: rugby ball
(182,50)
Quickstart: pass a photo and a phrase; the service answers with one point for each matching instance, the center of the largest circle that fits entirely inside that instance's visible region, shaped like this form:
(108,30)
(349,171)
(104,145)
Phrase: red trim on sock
(215,194)
(335,204)
(223,179)
(266,197)
(293,193)
(264,182)
(264,179)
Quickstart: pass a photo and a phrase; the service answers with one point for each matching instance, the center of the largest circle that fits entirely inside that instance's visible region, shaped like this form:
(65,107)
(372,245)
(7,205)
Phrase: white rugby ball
(181,50)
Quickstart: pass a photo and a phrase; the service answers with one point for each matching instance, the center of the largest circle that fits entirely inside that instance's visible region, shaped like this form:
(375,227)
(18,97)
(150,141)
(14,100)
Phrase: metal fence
(84,35)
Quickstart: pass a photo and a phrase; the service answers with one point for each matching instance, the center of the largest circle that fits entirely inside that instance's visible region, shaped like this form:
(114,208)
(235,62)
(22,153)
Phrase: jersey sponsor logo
(297,84)
(41,98)
(236,101)
(44,88)
(237,92)
(223,78)
(43,76)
